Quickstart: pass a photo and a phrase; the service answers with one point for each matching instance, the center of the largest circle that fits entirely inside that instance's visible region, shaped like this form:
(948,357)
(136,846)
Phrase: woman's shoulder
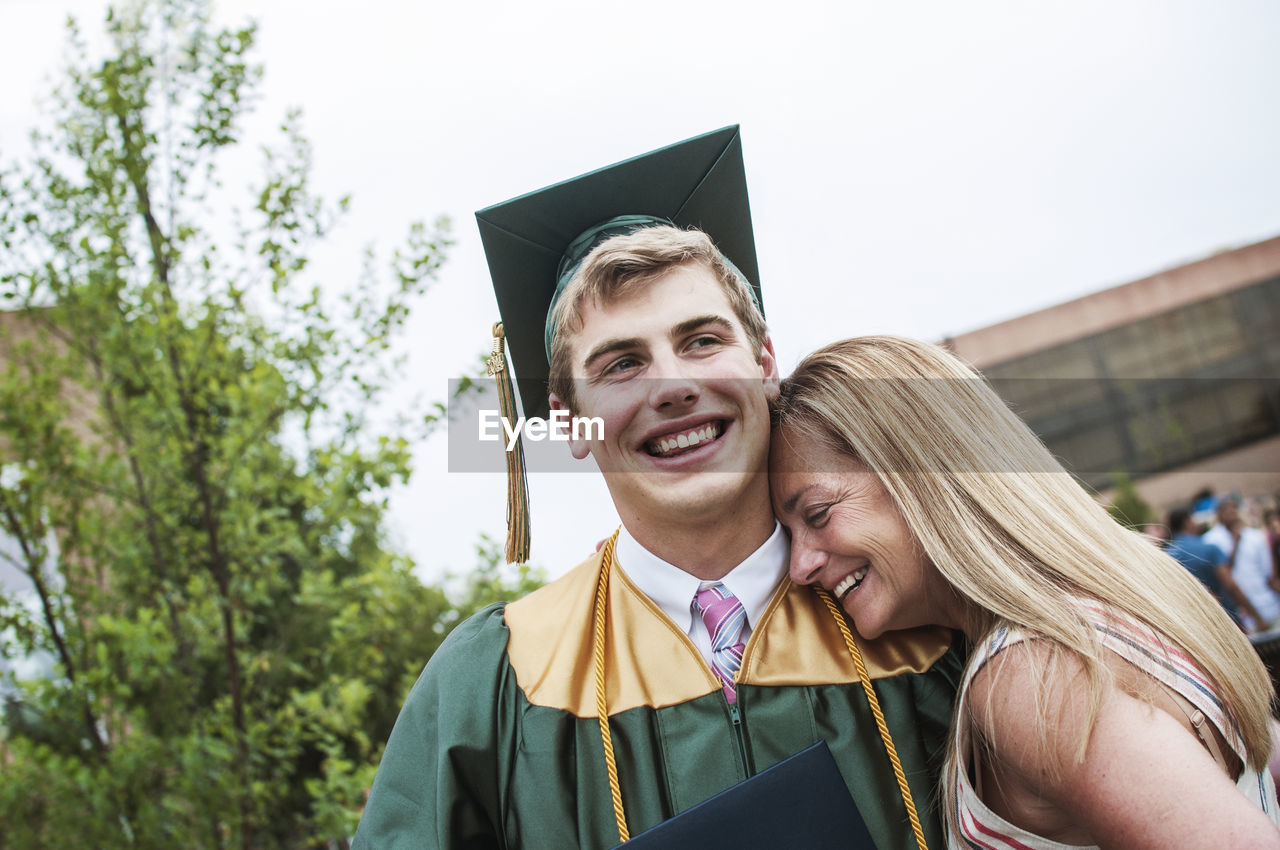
(1017,665)
(1032,647)
(1032,696)
(1017,682)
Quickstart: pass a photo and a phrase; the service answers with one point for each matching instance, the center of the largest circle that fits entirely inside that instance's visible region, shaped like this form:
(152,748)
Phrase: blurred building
(1171,379)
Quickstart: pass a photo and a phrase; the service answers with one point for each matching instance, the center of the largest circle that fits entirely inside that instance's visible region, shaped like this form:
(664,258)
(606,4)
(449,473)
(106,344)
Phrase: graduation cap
(534,243)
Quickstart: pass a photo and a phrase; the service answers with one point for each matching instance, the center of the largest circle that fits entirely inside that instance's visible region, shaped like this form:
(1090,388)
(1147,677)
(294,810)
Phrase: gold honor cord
(602,708)
(517,484)
(879,715)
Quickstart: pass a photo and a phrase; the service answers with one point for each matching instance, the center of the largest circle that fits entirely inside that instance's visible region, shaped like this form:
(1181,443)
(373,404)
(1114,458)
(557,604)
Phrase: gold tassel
(517,483)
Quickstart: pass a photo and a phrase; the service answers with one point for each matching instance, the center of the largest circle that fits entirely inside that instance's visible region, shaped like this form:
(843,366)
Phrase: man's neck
(705,550)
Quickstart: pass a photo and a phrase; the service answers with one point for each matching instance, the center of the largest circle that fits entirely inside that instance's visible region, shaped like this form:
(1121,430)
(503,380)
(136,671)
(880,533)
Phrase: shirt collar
(672,589)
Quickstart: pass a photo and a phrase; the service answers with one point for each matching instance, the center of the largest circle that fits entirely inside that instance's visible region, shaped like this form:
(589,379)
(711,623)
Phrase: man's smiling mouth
(679,442)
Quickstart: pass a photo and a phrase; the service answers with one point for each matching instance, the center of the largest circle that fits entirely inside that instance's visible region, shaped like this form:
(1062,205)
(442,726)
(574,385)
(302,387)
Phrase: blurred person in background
(1204,505)
(1251,562)
(1209,564)
(1156,532)
(1271,521)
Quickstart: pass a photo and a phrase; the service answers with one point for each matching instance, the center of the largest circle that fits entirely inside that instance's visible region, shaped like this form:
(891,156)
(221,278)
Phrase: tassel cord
(602,707)
(876,712)
(517,549)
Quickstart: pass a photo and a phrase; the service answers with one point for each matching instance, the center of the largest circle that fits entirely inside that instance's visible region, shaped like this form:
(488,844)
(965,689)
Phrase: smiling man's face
(670,371)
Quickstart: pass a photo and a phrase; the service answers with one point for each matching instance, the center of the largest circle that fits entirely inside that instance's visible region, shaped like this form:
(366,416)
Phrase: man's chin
(698,496)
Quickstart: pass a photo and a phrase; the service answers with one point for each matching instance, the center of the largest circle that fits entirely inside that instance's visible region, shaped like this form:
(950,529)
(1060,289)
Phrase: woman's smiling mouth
(849,583)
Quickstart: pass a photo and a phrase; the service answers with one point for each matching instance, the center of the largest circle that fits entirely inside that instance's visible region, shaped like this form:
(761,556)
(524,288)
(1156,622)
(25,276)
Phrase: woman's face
(847,535)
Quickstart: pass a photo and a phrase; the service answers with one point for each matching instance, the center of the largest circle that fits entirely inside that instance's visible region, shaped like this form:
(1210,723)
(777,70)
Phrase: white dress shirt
(672,589)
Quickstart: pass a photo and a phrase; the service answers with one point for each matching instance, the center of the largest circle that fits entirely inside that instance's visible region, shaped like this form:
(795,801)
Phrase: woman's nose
(806,562)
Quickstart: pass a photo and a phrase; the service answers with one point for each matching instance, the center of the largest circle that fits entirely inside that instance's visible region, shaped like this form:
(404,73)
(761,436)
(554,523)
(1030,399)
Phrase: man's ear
(772,376)
(578,446)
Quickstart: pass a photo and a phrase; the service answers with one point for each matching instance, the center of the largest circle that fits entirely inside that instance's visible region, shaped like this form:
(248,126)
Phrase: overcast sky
(915,168)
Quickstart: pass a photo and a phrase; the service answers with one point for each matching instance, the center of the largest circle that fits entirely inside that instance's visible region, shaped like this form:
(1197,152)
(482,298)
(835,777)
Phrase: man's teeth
(851,581)
(704,434)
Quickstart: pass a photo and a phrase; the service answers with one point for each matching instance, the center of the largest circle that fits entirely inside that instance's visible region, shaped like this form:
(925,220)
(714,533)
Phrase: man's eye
(622,364)
(704,341)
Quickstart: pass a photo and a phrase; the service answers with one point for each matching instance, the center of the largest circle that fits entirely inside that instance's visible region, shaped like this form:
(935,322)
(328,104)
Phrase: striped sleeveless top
(982,829)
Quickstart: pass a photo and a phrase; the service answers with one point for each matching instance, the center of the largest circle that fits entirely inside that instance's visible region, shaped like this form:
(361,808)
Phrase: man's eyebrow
(608,347)
(688,326)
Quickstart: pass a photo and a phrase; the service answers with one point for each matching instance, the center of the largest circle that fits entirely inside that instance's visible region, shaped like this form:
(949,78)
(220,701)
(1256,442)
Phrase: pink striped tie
(724,617)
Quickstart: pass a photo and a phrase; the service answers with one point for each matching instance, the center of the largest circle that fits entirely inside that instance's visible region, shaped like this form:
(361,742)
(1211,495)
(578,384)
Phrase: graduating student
(679,659)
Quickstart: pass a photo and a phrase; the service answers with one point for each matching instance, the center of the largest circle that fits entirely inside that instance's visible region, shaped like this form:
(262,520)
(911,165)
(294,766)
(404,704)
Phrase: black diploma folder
(800,802)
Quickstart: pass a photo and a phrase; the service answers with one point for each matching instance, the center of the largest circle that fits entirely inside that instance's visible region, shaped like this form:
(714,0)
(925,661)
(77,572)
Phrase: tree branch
(33,572)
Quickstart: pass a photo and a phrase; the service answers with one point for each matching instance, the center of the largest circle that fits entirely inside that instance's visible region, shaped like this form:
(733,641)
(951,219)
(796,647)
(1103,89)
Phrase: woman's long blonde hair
(1004,523)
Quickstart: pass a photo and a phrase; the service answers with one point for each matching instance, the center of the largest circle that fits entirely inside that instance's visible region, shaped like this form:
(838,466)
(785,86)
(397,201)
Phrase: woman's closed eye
(816,517)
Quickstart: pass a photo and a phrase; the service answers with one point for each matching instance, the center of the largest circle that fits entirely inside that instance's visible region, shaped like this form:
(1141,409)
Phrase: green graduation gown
(498,745)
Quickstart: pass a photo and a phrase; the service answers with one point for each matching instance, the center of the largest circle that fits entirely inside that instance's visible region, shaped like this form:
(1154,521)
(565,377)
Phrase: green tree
(191,485)
(1127,505)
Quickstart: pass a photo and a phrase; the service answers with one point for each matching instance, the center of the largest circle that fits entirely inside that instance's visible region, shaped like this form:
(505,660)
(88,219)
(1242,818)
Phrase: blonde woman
(1108,700)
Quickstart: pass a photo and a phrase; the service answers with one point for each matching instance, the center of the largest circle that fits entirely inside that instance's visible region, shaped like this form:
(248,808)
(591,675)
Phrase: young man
(677,660)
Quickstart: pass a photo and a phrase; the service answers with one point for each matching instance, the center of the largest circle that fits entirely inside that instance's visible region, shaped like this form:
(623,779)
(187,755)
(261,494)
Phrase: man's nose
(672,385)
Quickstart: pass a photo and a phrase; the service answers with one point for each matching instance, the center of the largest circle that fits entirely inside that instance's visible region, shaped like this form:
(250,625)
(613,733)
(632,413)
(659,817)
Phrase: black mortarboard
(535,242)
(696,183)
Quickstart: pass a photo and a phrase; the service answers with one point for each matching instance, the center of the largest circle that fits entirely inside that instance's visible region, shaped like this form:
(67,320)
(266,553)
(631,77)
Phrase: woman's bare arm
(1145,781)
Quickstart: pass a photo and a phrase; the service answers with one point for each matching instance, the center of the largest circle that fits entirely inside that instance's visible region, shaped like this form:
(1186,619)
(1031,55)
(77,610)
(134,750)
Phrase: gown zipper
(740,735)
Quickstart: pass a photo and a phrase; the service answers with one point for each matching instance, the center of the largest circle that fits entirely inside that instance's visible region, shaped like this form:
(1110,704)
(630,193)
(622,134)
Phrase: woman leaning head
(917,497)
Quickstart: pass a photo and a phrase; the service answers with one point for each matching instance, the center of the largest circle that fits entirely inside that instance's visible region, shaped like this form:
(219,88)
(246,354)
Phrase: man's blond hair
(629,262)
